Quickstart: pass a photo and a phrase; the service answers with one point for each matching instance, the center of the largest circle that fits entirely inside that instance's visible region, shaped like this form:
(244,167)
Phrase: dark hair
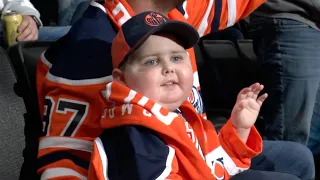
(124,63)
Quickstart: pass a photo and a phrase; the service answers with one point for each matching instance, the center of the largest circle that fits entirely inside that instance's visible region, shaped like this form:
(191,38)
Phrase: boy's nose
(168,69)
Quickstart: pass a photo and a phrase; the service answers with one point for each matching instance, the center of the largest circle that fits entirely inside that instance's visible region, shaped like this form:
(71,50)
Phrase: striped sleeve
(238,155)
(71,111)
(63,158)
(134,152)
(228,154)
(213,15)
(71,77)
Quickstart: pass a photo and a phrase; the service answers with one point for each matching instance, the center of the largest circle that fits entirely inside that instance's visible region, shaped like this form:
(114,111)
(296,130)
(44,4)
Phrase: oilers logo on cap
(154,19)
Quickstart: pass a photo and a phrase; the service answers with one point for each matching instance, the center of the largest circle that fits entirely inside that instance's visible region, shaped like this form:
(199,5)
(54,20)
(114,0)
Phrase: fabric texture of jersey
(201,154)
(73,72)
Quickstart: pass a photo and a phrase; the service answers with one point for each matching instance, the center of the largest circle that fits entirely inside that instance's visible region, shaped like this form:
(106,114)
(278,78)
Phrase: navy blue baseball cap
(140,27)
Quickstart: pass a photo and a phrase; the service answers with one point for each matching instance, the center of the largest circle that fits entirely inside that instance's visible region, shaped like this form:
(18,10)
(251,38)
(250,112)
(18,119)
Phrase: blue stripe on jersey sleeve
(60,155)
(134,152)
(181,10)
(84,53)
(217,15)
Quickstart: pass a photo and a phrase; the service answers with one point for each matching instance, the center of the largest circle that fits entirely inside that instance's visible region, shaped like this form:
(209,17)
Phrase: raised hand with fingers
(247,108)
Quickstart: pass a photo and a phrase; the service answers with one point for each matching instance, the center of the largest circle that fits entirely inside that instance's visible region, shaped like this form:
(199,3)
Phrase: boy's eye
(151,62)
(176,58)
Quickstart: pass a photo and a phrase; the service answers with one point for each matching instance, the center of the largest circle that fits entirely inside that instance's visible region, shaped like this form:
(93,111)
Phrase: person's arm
(238,137)
(28,29)
(71,111)
(71,76)
(132,152)
(213,15)
(24,7)
(232,153)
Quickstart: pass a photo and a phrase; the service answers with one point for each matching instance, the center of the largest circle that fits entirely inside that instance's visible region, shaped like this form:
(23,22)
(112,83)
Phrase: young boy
(152,131)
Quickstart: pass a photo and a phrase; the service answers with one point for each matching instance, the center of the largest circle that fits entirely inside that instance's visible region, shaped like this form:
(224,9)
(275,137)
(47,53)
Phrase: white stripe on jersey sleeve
(103,156)
(45,60)
(232,12)
(204,23)
(59,172)
(184,5)
(168,168)
(228,164)
(65,142)
(95,4)
(82,82)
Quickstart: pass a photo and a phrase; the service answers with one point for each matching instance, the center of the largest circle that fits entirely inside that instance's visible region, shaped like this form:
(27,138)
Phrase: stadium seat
(24,58)
(246,49)
(11,122)
(226,69)
(213,51)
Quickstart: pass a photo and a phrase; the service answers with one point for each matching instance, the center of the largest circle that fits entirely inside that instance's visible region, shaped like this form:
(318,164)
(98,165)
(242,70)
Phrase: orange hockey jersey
(186,148)
(72,75)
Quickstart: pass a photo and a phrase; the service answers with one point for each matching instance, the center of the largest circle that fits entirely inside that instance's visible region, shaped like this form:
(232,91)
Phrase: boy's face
(160,70)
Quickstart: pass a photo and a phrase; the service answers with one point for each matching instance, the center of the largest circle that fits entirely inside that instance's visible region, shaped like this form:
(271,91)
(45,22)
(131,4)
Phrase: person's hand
(28,29)
(247,107)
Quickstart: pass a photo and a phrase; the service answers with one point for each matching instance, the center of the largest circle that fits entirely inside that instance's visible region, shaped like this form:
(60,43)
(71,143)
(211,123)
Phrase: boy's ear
(118,76)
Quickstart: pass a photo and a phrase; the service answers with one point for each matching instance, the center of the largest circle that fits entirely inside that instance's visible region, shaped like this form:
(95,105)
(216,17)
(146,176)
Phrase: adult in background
(69,11)
(286,37)
(31,27)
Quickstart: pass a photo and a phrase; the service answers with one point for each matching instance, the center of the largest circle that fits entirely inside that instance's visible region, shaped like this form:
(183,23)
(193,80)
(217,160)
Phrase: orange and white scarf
(132,108)
(196,160)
